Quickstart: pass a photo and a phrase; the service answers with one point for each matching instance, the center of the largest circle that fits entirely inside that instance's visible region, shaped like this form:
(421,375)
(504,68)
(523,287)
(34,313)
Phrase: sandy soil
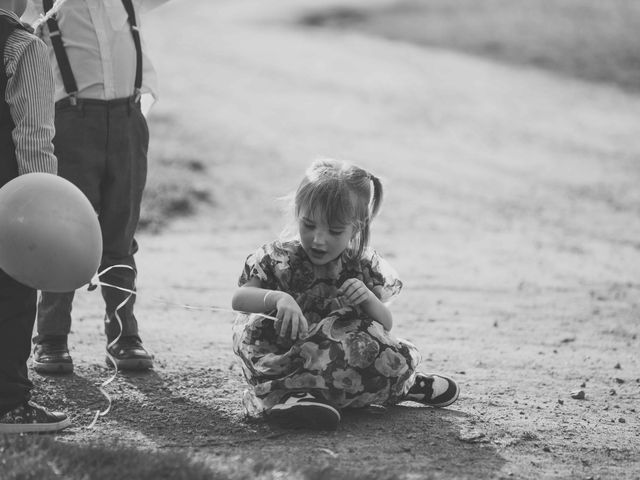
(512,215)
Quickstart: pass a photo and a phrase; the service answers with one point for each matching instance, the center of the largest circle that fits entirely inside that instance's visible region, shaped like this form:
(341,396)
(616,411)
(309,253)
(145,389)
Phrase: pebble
(578,394)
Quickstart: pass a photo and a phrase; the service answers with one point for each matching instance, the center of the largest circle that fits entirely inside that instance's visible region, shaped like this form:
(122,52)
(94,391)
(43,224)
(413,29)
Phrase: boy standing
(101,71)
(26,132)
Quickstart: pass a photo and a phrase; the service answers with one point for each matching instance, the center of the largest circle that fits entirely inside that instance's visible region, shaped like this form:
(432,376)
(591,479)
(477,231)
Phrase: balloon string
(43,18)
(211,308)
(102,413)
(97,282)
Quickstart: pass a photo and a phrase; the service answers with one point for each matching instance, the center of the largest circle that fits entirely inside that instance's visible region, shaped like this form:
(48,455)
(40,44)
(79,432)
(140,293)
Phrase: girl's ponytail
(376,198)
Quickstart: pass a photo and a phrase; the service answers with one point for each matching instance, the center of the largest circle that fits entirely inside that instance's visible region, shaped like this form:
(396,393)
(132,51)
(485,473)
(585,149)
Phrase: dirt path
(512,215)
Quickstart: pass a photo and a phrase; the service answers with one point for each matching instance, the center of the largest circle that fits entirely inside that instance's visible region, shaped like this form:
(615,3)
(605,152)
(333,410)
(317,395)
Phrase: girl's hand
(289,315)
(354,292)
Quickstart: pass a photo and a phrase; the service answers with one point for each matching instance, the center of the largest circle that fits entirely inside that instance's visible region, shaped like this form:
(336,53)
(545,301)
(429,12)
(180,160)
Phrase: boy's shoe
(303,410)
(32,418)
(51,355)
(433,389)
(129,354)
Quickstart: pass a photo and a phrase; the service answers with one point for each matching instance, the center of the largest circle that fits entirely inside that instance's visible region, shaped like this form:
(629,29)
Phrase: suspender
(61,55)
(135,32)
(68,79)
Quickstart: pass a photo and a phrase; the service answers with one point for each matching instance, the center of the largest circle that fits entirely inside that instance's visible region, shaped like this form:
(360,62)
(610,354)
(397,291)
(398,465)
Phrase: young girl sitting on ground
(330,347)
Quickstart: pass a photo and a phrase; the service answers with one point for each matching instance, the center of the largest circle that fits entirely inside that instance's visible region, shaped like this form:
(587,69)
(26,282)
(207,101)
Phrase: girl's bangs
(330,204)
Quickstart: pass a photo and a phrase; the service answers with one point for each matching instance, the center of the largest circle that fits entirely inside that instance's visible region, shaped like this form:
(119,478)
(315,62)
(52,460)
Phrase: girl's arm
(252,298)
(377,310)
(355,292)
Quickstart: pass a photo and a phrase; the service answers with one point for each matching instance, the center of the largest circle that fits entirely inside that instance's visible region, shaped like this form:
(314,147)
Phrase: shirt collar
(9,13)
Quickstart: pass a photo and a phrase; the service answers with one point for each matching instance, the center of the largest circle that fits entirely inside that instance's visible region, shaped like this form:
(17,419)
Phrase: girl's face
(323,242)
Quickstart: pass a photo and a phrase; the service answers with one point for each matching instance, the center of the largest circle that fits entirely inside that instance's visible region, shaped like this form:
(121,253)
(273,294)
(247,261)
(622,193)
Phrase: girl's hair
(341,194)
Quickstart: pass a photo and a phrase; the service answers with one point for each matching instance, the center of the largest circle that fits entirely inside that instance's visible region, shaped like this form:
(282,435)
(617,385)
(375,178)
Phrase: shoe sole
(52,367)
(34,427)
(135,365)
(312,417)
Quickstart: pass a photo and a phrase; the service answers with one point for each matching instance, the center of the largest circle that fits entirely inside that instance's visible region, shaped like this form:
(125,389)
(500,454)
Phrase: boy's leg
(17,315)
(79,147)
(125,178)
(54,314)
(51,351)
(123,275)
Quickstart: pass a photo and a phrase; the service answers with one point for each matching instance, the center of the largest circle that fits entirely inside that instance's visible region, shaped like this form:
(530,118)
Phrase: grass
(41,457)
(593,40)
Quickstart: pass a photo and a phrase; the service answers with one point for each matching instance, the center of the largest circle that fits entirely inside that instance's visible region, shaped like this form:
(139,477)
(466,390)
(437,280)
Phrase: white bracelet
(264,300)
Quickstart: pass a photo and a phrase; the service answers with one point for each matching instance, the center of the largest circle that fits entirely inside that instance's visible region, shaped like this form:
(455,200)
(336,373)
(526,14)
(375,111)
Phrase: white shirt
(99,44)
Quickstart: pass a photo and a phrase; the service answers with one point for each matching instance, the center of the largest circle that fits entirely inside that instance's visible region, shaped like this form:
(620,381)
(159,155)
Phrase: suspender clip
(73,99)
(137,95)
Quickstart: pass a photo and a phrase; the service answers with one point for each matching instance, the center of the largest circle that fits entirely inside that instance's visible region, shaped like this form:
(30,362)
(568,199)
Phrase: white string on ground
(103,385)
(97,282)
(43,18)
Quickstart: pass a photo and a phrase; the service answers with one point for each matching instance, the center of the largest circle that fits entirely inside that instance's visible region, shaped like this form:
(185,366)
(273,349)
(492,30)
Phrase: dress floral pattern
(347,358)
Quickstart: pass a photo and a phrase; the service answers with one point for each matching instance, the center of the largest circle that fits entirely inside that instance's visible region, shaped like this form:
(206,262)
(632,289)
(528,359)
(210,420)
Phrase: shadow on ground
(200,411)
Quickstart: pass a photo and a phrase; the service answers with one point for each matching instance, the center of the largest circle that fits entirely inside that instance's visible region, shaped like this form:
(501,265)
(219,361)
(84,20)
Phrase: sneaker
(303,410)
(434,390)
(51,355)
(129,354)
(32,418)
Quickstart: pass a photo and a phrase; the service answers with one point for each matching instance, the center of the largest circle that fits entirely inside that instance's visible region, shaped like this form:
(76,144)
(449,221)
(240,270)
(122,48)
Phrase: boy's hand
(354,292)
(289,315)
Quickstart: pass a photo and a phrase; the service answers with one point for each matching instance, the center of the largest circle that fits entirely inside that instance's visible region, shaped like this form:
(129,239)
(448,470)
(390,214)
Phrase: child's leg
(17,315)
(121,195)
(279,384)
(348,361)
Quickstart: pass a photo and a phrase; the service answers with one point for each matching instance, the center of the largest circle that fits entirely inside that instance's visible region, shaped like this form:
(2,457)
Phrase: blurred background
(590,40)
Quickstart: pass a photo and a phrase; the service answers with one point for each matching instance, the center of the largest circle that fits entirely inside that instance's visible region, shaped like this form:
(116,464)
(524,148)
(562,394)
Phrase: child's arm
(355,292)
(30,98)
(251,297)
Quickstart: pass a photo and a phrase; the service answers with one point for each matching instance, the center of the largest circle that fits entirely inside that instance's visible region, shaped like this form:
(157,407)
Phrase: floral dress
(347,358)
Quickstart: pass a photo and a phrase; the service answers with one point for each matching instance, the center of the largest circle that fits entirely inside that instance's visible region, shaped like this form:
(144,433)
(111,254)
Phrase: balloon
(50,237)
